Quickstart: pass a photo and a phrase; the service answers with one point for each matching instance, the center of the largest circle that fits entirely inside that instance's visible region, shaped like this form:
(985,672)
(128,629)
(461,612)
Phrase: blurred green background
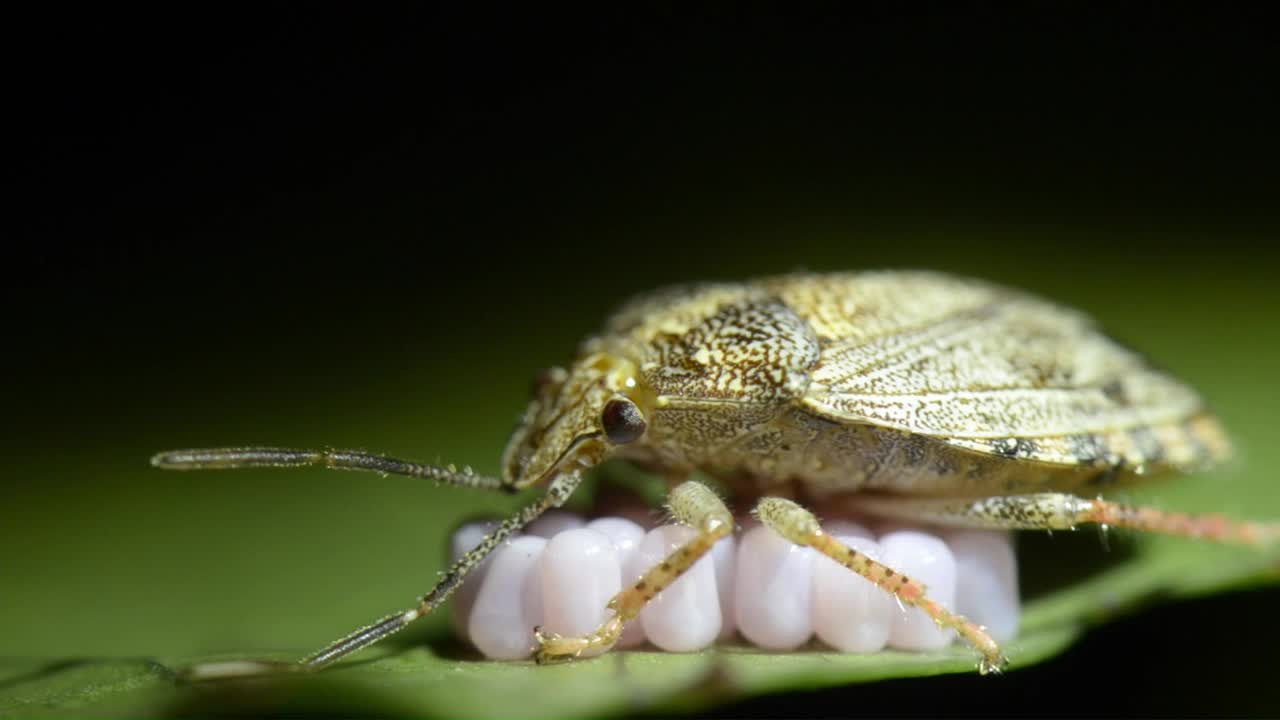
(319,228)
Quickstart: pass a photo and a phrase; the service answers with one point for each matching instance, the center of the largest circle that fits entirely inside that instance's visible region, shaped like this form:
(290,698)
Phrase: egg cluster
(561,573)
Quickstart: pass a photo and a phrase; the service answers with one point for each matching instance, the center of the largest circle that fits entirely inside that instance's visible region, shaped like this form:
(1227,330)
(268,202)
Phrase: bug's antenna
(259,457)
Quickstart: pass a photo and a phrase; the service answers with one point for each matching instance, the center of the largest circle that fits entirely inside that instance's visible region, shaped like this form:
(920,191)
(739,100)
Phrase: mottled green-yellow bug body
(909,395)
(912,383)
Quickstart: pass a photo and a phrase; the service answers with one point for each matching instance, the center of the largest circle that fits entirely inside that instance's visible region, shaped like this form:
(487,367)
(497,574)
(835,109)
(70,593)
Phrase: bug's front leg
(1060,511)
(692,504)
(798,525)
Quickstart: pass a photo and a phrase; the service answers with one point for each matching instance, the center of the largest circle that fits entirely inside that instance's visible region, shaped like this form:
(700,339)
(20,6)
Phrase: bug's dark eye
(622,422)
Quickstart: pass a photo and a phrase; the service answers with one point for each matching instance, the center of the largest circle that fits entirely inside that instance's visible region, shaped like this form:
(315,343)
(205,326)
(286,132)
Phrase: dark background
(312,225)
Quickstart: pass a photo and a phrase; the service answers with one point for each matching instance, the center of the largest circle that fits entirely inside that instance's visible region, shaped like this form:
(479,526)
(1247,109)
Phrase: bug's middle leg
(798,525)
(692,504)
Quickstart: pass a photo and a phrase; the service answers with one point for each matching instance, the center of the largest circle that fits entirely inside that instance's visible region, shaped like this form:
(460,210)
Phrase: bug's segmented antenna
(260,457)
(360,639)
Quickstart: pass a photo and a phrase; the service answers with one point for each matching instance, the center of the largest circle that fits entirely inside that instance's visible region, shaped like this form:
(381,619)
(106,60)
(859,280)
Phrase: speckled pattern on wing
(993,371)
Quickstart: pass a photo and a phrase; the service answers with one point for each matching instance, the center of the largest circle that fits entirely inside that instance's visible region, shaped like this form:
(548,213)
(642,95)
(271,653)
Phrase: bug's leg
(259,457)
(798,525)
(1060,511)
(556,494)
(692,504)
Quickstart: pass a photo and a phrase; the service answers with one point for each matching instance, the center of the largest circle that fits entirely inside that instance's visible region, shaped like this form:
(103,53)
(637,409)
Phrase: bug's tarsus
(544,638)
(1215,528)
(692,504)
(996,667)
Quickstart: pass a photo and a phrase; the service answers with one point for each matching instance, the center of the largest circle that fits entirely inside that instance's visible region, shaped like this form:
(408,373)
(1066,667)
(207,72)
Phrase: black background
(282,176)
(308,159)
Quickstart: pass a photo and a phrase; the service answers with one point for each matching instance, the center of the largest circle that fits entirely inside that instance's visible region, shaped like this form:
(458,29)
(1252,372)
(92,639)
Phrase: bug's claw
(550,647)
(555,648)
(988,666)
(540,655)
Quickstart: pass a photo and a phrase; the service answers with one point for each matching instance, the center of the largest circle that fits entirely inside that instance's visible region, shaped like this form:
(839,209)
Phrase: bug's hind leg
(798,525)
(692,504)
(1060,511)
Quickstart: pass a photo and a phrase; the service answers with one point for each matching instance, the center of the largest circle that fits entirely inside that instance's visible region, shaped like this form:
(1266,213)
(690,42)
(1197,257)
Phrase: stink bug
(906,395)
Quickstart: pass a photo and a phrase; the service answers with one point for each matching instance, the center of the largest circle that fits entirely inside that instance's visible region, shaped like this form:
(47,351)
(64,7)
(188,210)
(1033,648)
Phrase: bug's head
(578,417)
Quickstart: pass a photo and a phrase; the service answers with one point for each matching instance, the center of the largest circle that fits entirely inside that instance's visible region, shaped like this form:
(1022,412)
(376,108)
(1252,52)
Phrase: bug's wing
(995,371)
